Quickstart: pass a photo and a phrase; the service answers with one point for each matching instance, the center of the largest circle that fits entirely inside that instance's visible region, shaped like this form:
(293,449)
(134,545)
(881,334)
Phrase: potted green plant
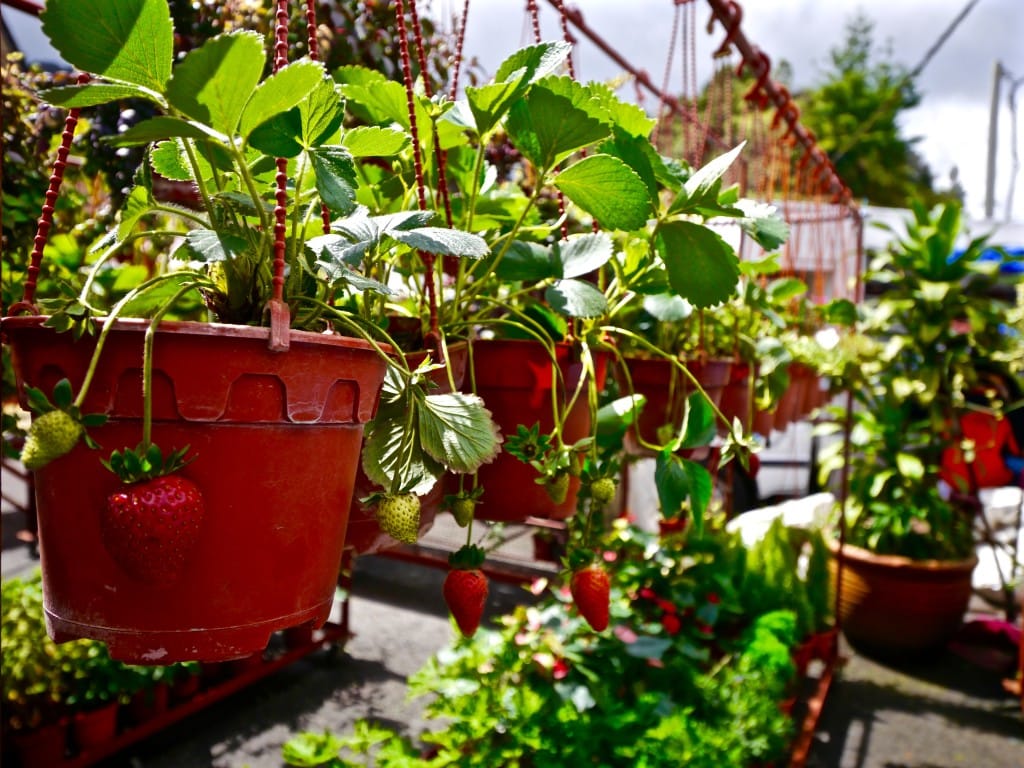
(246,338)
(35,688)
(922,340)
(95,692)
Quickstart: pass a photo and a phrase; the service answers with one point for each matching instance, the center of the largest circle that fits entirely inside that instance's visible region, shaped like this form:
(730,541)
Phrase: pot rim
(197,328)
(851,552)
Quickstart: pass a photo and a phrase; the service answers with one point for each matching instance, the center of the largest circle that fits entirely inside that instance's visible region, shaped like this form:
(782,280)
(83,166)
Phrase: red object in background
(992,438)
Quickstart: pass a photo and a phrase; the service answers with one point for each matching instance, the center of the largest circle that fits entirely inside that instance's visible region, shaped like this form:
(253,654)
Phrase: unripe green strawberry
(51,436)
(557,487)
(602,490)
(463,508)
(399,517)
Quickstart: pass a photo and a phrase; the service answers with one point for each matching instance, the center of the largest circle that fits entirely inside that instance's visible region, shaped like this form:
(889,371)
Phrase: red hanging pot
(364,534)
(276,436)
(735,400)
(514,378)
(666,390)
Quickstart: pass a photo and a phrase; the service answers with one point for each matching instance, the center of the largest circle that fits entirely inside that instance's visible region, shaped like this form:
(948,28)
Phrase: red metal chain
(439,155)
(459,42)
(28,297)
(426,258)
(280,318)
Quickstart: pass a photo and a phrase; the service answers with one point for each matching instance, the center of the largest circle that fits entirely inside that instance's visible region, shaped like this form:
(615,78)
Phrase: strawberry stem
(108,326)
(147,367)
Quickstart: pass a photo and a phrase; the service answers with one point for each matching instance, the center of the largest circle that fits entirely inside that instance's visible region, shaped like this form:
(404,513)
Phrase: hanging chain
(28,297)
(280,318)
(426,258)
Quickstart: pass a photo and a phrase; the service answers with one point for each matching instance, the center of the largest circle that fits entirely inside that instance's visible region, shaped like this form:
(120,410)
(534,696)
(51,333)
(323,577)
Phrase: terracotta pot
(94,727)
(364,535)
(892,606)
(514,378)
(666,390)
(276,436)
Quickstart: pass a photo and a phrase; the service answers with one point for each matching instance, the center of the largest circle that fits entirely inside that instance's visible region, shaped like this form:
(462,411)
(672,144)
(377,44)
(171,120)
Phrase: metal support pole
(993,136)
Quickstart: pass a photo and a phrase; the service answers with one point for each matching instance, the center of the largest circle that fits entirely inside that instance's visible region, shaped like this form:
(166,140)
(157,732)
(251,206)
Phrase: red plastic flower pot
(515,380)
(276,436)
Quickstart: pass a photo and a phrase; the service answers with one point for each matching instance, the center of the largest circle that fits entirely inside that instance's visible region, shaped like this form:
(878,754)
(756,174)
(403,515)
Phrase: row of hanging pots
(727,385)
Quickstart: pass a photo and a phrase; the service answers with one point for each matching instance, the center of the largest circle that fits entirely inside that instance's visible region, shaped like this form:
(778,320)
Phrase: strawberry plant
(682,676)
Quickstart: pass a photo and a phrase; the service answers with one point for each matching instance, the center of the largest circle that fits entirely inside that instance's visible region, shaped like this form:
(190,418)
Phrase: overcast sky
(952,120)
(956,86)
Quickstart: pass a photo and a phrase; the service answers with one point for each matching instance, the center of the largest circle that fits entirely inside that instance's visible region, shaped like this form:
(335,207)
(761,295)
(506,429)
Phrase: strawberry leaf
(457,430)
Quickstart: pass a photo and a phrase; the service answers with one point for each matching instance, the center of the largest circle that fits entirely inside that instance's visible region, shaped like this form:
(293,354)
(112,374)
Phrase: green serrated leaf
(136,205)
(159,128)
(209,245)
(672,483)
(213,83)
(582,254)
(699,426)
(392,457)
(607,189)
(93,94)
(127,40)
(169,161)
(281,91)
(336,179)
(527,261)
(456,429)
(701,266)
(442,241)
(547,128)
(702,188)
(375,141)
(667,308)
(576,298)
(155,297)
(700,486)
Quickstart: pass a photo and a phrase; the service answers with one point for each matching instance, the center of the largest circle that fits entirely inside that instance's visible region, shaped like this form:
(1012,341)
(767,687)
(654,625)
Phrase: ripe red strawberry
(150,528)
(590,589)
(465,588)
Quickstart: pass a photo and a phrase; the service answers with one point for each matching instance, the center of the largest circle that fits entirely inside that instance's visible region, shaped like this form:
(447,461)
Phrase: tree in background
(855,115)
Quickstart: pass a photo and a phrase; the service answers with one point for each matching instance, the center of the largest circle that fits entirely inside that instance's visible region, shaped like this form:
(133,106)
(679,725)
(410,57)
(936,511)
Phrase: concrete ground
(944,712)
